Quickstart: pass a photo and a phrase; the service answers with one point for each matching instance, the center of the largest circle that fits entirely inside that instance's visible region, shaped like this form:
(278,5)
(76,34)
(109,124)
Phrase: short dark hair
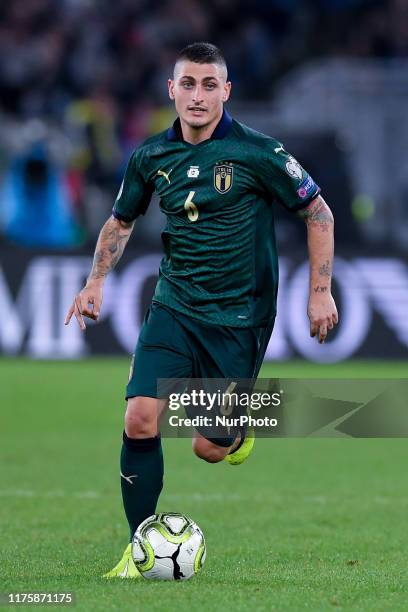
(202,53)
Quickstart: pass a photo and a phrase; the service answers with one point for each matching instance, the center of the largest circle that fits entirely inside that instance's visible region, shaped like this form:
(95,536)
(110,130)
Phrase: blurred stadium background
(83,82)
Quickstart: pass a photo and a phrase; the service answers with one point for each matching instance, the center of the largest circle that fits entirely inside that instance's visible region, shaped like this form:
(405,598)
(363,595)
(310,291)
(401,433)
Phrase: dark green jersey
(220,263)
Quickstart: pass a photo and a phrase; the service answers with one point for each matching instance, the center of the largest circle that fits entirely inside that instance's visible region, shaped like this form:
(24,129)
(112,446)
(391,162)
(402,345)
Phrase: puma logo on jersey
(165,174)
(279,149)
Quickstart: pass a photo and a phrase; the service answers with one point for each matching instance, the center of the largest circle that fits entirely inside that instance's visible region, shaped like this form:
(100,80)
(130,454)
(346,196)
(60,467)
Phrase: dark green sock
(141,470)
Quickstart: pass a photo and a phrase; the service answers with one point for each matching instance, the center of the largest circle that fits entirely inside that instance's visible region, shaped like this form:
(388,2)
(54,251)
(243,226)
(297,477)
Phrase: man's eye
(210,86)
(186,85)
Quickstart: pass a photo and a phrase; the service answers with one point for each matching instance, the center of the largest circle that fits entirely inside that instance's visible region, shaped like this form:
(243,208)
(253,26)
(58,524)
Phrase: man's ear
(170,84)
(227,91)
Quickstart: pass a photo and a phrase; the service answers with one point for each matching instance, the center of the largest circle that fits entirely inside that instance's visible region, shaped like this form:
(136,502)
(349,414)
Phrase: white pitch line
(203,497)
(52,493)
(18,493)
(316,499)
(200,497)
(87,494)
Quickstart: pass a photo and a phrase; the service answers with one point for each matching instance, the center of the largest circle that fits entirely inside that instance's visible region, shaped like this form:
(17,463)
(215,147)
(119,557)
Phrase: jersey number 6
(190,207)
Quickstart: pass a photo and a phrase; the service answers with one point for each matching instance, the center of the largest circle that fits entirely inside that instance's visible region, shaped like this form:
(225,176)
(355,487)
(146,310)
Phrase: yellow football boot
(240,455)
(126,567)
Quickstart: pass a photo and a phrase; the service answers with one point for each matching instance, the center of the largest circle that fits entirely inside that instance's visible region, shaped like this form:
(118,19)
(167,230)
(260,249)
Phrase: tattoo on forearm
(325,269)
(318,214)
(111,243)
(320,289)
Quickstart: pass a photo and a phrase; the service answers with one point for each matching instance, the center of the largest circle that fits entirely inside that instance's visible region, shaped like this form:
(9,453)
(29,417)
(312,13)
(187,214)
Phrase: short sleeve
(135,192)
(282,177)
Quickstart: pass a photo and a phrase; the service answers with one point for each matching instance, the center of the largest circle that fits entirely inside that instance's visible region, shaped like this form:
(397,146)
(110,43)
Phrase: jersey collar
(222,129)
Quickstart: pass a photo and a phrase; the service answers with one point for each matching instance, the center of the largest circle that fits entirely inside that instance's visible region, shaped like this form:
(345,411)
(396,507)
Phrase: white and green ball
(168,546)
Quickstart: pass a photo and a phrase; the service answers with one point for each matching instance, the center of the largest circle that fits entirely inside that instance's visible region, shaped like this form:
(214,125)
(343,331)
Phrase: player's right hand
(86,304)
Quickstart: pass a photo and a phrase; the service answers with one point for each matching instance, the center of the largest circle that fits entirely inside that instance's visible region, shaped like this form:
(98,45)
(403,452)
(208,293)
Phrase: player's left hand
(323,316)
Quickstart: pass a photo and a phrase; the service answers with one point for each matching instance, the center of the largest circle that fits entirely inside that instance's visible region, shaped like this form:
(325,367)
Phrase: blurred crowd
(83,81)
(55,51)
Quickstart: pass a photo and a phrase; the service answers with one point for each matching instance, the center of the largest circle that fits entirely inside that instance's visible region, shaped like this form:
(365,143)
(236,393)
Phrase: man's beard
(198,125)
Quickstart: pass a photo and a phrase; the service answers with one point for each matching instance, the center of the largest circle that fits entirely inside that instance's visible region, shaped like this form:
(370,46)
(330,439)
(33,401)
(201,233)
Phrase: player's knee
(204,449)
(140,418)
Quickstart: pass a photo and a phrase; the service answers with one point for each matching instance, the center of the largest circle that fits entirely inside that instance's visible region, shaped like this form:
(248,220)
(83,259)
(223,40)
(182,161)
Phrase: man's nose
(197,94)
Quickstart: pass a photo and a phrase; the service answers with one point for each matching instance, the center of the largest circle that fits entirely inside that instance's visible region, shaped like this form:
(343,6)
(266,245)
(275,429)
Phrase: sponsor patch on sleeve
(293,168)
(306,187)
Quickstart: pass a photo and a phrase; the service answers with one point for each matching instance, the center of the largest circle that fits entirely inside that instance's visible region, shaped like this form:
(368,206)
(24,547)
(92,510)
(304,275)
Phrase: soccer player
(214,305)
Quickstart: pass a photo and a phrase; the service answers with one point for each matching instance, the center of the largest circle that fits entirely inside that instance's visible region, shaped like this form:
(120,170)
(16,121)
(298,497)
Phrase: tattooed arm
(109,248)
(322,310)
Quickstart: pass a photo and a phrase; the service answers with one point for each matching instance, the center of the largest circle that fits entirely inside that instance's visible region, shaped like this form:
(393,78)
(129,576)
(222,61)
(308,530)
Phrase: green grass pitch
(305,524)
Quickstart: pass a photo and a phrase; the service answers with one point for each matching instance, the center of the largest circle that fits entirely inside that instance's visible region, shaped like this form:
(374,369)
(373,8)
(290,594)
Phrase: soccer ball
(168,546)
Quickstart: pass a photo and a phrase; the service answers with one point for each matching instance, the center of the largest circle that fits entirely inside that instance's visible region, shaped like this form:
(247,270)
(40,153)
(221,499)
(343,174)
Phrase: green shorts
(172,345)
